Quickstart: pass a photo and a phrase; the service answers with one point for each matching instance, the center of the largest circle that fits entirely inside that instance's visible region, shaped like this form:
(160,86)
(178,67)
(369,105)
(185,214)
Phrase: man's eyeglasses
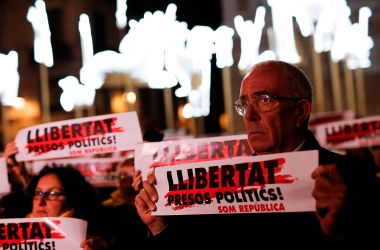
(48,195)
(261,102)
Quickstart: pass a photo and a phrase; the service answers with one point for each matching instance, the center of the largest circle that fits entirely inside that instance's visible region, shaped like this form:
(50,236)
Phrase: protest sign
(4,182)
(55,233)
(256,184)
(363,132)
(78,137)
(331,116)
(156,154)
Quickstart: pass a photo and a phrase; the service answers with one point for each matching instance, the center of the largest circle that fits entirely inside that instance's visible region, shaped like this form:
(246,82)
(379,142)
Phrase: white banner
(156,154)
(327,117)
(274,183)
(4,182)
(364,132)
(78,137)
(54,233)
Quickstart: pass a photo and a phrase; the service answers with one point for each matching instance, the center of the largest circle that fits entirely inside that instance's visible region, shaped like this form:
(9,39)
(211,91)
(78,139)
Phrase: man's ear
(303,111)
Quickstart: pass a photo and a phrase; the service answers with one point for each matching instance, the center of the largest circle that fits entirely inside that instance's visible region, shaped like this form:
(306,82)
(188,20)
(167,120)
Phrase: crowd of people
(275,103)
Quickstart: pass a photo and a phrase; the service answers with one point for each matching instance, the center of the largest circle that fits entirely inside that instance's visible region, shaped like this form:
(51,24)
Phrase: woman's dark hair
(80,194)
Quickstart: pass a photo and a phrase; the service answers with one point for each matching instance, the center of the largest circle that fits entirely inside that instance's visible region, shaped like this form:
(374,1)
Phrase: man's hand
(145,203)
(94,243)
(87,244)
(330,193)
(137,181)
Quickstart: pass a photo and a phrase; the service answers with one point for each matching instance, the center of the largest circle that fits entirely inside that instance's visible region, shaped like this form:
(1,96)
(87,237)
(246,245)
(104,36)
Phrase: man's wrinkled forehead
(262,76)
(258,79)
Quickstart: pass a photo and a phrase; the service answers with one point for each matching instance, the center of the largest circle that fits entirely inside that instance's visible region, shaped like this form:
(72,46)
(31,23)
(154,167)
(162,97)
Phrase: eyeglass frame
(45,195)
(242,109)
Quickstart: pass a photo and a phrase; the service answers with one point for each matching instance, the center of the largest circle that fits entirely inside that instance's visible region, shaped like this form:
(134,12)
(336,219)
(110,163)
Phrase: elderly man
(275,102)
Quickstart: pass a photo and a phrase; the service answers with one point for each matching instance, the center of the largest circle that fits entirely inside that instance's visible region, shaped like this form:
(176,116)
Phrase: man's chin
(261,149)
(258,136)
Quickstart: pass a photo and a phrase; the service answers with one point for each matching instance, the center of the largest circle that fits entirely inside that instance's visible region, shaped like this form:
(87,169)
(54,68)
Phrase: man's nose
(251,113)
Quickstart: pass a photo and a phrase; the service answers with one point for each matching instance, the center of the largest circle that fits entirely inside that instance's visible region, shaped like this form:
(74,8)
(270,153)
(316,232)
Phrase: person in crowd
(15,204)
(125,224)
(125,193)
(63,191)
(275,102)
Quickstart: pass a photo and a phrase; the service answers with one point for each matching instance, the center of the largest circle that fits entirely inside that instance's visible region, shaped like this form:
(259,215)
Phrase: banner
(363,132)
(78,137)
(46,233)
(274,183)
(156,154)
(4,182)
(331,116)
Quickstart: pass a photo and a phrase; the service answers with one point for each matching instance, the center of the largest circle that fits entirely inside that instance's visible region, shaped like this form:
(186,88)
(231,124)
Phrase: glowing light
(164,62)
(283,31)
(93,72)
(160,51)
(121,17)
(307,13)
(19,103)
(341,32)
(28,111)
(223,46)
(223,121)
(43,52)
(335,32)
(130,97)
(85,37)
(187,111)
(181,119)
(10,79)
(361,43)
(118,103)
(250,37)
(75,94)
(201,47)
(324,30)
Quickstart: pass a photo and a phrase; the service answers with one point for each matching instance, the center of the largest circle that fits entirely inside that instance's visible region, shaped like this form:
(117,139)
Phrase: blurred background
(337,87)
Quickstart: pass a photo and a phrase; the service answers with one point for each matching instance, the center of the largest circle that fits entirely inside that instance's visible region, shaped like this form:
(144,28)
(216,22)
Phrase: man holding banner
(275,102)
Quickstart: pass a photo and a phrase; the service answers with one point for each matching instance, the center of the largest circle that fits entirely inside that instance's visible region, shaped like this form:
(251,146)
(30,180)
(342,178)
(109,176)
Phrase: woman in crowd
(63,191)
